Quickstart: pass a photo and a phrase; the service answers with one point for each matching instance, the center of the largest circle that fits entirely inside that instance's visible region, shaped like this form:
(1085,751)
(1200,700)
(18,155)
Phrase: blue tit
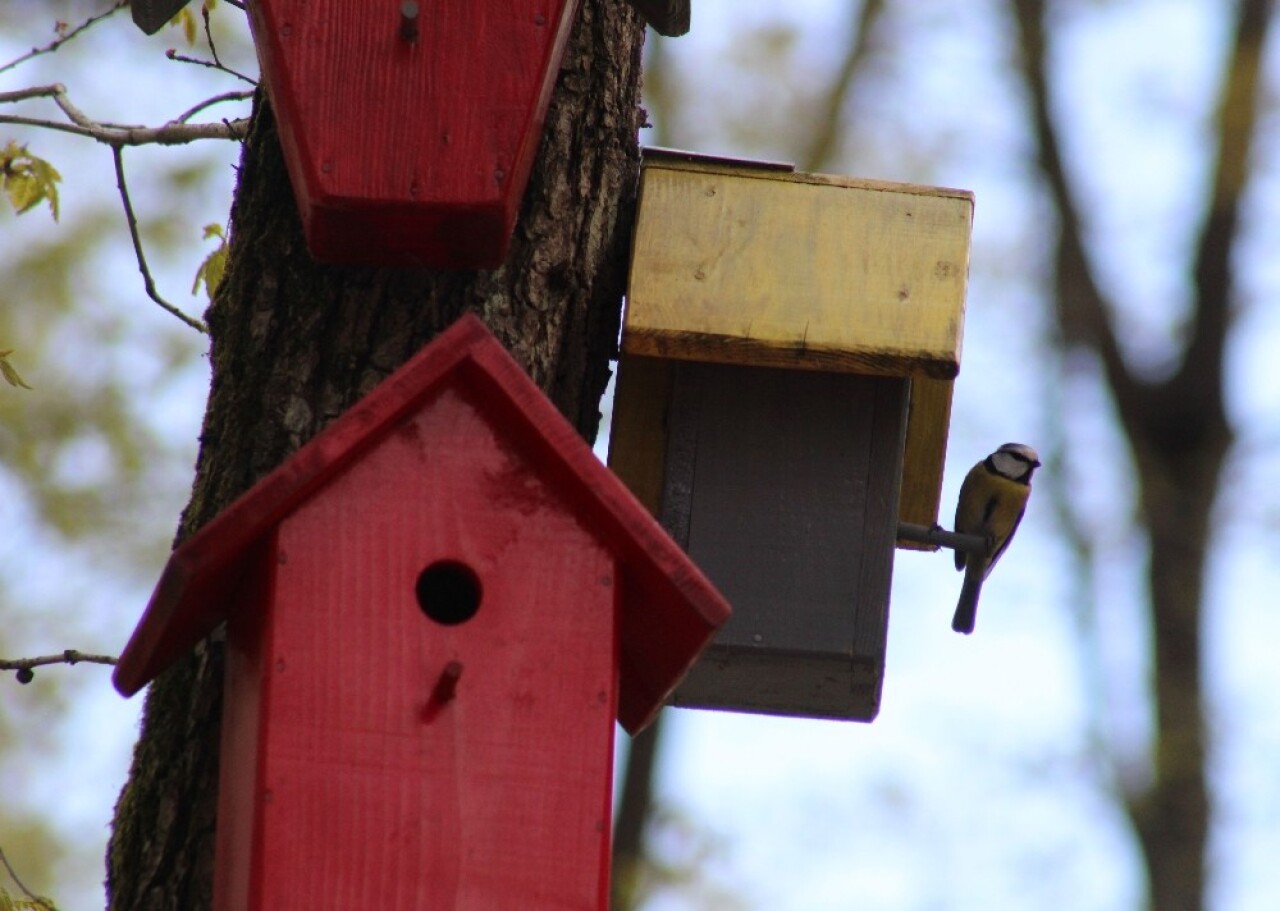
(993,498)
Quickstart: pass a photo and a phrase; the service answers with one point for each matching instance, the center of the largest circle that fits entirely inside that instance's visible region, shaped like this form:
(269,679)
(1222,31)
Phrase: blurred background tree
(95,459)
(1156,358)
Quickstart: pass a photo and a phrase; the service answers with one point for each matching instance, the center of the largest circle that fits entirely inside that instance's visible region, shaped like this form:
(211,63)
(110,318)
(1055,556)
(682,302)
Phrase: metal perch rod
(940,537)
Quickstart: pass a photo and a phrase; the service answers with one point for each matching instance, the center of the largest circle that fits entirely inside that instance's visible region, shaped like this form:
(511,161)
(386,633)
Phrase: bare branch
(1082,310)
(32,898)
(175,132)
(65,35)
(1202,368)
(214,64)
(213,48)
(69,656)
(149,282)
(117,136)
(210,102)
(830,122)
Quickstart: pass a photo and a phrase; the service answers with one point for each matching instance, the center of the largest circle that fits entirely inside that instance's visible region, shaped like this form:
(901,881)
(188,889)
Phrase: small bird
(993,498)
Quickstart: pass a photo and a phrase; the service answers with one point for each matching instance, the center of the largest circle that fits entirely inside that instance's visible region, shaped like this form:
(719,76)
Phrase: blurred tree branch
(635,808)
(824,145)
(32,900)
(65,33)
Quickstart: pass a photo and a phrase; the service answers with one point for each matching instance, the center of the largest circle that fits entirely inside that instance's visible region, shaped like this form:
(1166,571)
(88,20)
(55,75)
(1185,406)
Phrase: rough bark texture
(1180,437)
(296,343)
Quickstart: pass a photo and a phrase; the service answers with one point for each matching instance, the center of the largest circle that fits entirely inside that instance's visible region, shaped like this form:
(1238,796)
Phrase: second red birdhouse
(435,611)
(409,129)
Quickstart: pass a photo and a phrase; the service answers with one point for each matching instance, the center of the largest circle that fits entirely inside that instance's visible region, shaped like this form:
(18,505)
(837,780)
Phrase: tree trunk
(1178,431)
(294,344)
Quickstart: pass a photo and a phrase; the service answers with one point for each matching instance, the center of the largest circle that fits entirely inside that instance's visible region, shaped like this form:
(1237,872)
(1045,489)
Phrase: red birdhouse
(409,134)
(435,610)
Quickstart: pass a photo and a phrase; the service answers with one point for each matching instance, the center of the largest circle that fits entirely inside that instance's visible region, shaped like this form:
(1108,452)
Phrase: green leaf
(215,264)
(12,377)
(28,180)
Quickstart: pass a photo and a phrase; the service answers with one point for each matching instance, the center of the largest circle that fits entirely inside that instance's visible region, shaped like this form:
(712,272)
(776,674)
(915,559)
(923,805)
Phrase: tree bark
(295,343)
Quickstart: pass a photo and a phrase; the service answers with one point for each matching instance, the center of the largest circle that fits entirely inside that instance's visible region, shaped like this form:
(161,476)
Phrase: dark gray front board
(783,485)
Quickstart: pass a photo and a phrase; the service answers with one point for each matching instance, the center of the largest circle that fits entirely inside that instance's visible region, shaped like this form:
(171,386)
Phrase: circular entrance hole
(448,592)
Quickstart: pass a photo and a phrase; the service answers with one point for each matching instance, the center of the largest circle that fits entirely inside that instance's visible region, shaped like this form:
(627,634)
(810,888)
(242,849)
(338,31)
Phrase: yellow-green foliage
(210,272)
(28,180)
(9,372)
(9,903)
(186,20)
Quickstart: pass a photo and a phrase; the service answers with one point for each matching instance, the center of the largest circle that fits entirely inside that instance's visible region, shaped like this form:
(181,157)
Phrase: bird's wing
(969,518)
(1005,543)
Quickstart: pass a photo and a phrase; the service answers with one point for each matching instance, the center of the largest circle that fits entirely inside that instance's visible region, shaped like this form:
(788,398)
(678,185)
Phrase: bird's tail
(967,607)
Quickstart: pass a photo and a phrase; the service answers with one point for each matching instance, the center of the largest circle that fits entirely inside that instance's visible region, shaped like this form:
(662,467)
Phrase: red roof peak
(668,609)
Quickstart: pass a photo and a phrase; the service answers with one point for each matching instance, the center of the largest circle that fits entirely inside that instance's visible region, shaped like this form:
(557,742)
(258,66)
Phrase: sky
(975,787)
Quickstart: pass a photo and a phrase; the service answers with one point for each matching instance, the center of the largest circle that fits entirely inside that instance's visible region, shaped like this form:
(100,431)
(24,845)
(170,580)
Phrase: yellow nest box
(783,398)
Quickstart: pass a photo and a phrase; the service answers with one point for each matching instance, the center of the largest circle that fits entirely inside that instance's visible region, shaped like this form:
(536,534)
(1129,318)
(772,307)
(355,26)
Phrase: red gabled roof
(668,609)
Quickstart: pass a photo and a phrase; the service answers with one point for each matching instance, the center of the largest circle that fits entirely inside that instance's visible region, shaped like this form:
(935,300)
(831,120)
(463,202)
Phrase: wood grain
(736,264)
(783,486)
(928,423)
(364,792)
(412,153)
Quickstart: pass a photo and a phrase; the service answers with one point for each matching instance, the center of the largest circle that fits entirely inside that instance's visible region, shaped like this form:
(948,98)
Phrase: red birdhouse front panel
(421,708)
(410,140)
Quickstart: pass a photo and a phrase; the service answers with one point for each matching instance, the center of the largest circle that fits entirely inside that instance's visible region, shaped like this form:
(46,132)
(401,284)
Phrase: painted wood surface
(740,264)
(638,438)
(783,486)
(369,789)
(411,152)
(667,610)
(686,301)
(928,425)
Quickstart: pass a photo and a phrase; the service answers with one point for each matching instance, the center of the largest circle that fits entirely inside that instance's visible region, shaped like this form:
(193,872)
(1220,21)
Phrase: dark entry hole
(448,592)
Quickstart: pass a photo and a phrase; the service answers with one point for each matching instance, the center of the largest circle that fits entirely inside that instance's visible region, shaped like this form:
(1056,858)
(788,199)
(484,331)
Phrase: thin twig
(65,36)
(210,102)
(208,35)
(31,896)
(69,656)
(117,155)
(211,64)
